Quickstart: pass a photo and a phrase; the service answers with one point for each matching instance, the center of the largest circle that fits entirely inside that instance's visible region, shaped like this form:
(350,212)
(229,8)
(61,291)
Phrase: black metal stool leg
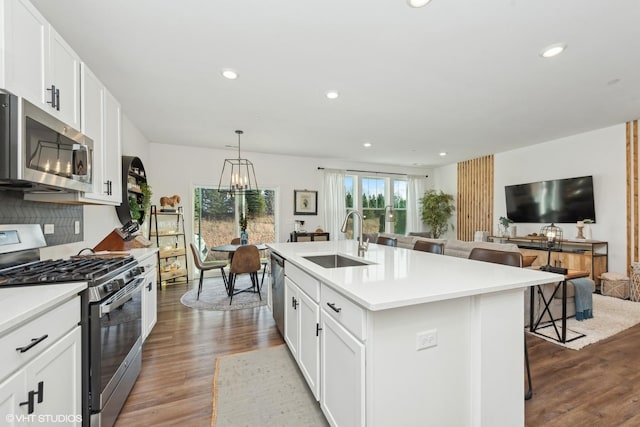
(529,392)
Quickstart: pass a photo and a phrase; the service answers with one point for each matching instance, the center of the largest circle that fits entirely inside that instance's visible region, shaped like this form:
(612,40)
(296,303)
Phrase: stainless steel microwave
(39,153)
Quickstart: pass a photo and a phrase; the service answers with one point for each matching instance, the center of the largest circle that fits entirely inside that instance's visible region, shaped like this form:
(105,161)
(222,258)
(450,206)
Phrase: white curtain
(416,186)
(334,202)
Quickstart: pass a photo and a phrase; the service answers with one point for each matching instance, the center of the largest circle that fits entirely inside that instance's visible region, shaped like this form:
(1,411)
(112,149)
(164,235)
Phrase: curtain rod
(384,173)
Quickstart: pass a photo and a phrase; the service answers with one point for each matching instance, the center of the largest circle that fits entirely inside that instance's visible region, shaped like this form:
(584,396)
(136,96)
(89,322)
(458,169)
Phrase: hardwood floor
(596,386)
(175,386)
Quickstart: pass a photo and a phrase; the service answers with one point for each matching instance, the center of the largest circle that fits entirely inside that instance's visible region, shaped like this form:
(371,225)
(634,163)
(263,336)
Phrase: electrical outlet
(76,227)
(426,339)
(48,229)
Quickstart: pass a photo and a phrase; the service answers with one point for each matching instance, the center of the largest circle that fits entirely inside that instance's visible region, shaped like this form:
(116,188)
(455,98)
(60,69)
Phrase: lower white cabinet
(47,390)
(302,322)
(342,384)
(149,294)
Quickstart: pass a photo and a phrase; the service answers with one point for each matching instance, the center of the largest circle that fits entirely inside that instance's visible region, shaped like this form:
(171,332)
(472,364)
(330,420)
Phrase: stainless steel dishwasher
(277,290)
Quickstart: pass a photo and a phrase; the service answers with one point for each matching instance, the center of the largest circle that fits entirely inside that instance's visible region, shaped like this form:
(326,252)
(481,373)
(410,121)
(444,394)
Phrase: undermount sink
(335,261)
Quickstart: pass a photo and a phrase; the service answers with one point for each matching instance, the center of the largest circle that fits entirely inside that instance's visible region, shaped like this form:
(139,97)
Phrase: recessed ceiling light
(366,144)
(229,74)
(332,94)
(418,3)
(553,50)
(443,153)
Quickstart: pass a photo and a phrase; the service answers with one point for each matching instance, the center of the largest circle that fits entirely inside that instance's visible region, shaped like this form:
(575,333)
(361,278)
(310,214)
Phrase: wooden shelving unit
(585,255)
(166,230)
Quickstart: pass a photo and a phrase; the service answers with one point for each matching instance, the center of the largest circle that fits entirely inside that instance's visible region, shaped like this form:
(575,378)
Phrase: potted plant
(437,209)
(505,223)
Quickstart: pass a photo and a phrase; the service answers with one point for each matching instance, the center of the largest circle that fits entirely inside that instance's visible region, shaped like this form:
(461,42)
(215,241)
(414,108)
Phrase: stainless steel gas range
(111,314)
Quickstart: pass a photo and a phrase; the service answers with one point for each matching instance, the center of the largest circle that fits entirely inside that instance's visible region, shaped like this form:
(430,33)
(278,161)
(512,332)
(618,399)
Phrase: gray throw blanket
(583,298)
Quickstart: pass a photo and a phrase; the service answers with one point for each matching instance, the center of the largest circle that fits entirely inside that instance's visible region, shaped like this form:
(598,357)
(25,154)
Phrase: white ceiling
(461,76)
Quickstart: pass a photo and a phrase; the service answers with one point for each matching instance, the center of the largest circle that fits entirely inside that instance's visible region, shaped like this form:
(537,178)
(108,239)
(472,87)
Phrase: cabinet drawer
(347,313)
(306,282)
(54,323)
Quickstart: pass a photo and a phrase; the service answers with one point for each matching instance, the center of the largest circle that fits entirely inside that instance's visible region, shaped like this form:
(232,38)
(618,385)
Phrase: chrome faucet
(362,246)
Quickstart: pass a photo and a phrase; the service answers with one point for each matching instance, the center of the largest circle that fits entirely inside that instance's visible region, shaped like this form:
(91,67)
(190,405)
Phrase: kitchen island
(408,338)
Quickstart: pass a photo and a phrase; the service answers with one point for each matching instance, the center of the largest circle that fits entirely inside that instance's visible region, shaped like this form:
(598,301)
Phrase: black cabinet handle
(57,100)
(294,303)
(318,329)
(40,392)
(150,285)
(29,402)
(333,307)
(34,342)
(109,190)
(53,96)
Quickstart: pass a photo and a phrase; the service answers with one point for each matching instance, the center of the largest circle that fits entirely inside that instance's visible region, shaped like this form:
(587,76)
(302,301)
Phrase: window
(371,197)
(217,215)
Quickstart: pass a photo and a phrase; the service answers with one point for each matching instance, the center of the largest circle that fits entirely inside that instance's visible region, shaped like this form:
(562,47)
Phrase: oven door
(115,337)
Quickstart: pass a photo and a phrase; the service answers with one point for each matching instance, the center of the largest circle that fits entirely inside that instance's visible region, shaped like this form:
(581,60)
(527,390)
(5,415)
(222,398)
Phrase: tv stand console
(585,255)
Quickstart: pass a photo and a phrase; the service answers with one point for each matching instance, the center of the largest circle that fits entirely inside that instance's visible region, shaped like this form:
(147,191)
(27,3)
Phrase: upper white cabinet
(38,64)
(101,122)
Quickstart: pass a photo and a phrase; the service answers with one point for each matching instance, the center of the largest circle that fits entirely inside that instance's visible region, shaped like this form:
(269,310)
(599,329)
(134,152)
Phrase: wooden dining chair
(513,259)
(387,241)
(425,246)
(206,266)
(246,259)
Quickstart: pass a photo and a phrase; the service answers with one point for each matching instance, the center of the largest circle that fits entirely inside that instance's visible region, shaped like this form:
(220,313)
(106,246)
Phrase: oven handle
(108,306)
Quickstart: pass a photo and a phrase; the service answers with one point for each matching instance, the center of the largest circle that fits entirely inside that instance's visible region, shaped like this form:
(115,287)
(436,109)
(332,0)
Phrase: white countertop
(18,304)
(401,277)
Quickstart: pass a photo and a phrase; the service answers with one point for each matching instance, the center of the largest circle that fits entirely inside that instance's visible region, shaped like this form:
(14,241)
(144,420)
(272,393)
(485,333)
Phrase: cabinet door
(93,93)
(112,162)
(12,393)
(309,342)
(58,368)
(149,300)
(64,74)
(291,319)
(342,375)
(25,36)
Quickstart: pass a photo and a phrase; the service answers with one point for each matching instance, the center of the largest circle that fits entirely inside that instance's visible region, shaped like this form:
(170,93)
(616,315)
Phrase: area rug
(214,296)
(262,388)
(610,316)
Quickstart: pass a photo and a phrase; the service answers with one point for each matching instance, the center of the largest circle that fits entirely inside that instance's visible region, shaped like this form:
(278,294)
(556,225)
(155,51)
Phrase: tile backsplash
(15,210)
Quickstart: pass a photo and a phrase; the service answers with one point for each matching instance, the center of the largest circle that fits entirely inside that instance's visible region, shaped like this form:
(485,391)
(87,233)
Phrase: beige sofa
(462,249)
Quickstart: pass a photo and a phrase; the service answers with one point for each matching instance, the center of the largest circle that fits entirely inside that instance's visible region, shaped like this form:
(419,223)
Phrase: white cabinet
(62,81)
(101,122)
(342,383)
(149,294)
(38,64)
(43,369)
(328,345)
(302,323)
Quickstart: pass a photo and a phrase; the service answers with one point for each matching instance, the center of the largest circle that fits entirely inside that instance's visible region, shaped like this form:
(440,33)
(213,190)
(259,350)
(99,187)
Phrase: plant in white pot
(437,208)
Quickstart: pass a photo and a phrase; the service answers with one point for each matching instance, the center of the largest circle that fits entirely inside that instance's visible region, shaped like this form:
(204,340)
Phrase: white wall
(176,169)
(600,153)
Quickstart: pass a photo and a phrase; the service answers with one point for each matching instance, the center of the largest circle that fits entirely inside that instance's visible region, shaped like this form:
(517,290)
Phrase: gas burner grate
(70,270)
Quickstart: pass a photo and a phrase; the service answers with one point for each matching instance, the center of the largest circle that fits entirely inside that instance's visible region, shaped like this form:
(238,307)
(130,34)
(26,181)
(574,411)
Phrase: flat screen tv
(559,200)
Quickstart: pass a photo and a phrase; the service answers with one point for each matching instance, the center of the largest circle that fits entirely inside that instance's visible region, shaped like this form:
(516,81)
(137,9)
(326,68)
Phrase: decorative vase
(244,237)
(513,231)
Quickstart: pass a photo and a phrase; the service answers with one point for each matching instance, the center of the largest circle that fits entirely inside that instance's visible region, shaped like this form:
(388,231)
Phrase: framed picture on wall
(305,202)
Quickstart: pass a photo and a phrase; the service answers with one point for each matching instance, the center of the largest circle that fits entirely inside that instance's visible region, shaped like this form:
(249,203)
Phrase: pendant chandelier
(239,173)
